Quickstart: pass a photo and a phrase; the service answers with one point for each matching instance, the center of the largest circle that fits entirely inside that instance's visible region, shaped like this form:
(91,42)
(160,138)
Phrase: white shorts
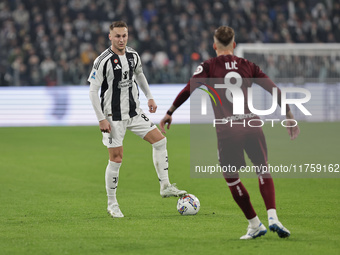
(139,125)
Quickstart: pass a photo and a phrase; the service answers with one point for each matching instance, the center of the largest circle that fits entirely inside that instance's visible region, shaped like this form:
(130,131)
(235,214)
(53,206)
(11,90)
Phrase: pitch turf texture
(53,198)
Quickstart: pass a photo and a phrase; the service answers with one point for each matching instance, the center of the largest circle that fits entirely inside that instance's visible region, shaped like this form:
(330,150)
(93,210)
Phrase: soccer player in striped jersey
(233,140)
(116,72)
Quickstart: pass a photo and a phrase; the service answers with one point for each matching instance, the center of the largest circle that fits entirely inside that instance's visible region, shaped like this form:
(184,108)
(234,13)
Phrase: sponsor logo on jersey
(93,76)
(124,84)
(118,67)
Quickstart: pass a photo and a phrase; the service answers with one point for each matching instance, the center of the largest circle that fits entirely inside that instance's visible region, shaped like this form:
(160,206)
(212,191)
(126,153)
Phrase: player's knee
(232,180)
(117,159)
(264,175)
(231,176)
(116,156)
(154,136)
(161,144)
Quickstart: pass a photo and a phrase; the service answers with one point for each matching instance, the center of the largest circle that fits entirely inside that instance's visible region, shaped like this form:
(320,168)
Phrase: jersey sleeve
(96,76)
(138,65)
(202,71)
(140,77)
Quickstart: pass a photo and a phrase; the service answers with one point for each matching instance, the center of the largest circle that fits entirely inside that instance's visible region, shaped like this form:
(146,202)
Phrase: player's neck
(224,52)
(117,51)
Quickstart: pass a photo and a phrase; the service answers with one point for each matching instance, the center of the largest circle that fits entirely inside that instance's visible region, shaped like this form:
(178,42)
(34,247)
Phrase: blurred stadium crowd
(54,42)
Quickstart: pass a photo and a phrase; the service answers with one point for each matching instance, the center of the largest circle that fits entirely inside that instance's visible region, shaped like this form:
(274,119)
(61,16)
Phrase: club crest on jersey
(93,76)
(115,61)
(131,62)
(199,69)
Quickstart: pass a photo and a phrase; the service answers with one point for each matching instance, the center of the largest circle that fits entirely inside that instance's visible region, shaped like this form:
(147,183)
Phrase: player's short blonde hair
(118,24)
(224,35)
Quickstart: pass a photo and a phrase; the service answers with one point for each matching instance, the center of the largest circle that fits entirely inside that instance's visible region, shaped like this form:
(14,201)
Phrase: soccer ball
(188,205)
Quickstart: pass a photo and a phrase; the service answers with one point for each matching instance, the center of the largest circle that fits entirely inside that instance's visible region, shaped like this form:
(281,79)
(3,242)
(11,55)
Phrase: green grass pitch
(53,201)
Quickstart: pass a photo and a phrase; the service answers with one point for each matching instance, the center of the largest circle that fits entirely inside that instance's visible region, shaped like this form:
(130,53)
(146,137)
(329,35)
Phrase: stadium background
(55,42)
(52,196)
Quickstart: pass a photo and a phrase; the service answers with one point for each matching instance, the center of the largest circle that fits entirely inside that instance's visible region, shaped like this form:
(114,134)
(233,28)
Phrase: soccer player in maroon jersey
(234,139)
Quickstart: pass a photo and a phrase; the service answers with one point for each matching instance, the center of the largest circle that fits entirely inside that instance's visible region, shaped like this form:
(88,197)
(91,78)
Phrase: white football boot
(255,232)
(114,211)
(276,226)
(172,191)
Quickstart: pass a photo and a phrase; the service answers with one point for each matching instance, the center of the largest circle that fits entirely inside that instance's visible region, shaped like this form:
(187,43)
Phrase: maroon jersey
(244,72)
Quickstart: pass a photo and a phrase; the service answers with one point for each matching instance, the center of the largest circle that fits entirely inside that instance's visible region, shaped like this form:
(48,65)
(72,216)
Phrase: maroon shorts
(231,150)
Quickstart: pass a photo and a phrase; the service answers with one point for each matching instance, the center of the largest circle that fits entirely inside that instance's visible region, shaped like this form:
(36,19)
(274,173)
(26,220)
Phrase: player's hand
(105,126)
(152,106)
(166,120)
(293,131)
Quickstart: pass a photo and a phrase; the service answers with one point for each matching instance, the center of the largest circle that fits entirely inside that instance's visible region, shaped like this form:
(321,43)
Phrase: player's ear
(234,45)
(214,46)
(110,36)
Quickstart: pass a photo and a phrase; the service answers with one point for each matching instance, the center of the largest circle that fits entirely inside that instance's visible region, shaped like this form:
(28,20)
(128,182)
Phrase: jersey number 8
(144,117)
(227,80)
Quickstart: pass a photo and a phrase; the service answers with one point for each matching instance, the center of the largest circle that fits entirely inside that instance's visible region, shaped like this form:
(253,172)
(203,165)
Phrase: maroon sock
(241,197)
(267,190)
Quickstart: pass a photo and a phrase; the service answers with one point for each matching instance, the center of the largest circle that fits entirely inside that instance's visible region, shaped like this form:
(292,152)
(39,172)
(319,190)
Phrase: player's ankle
(272,215)
(111,200)
(164,183)
(254,222)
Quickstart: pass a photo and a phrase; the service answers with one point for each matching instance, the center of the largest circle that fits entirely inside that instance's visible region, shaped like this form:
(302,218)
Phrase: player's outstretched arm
(183,95)
(293,131)
(167,119)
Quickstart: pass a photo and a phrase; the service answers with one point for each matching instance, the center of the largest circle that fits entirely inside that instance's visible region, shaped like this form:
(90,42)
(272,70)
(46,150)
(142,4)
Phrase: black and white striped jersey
(115,75)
